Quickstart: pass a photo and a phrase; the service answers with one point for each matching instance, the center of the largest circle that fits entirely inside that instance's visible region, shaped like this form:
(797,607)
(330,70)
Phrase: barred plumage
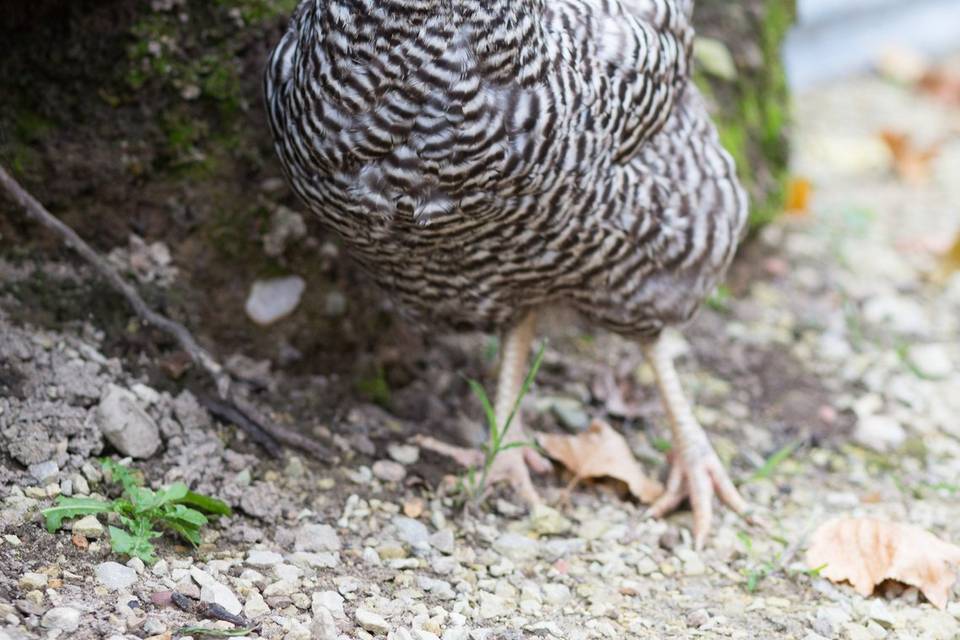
(483,157)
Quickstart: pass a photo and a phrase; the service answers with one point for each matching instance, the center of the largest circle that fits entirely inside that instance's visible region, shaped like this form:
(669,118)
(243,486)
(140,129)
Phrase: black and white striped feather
(484,157)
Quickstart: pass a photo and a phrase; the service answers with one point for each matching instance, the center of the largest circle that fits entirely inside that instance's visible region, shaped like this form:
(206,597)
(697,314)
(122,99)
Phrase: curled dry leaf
(799,193)
(601,452)
(866,551)
(912,164)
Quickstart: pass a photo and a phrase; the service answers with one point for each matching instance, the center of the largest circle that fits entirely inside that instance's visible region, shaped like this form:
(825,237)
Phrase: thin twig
(266,434)
(180,333)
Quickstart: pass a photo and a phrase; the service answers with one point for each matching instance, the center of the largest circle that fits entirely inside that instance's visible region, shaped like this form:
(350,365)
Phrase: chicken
(485,160)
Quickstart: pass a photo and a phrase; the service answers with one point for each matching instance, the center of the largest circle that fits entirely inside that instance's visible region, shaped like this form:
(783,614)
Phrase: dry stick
(39,213)
(267,436)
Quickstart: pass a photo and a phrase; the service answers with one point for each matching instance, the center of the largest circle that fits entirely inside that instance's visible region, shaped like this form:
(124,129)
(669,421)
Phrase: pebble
(389,471)
(372,622)
(698,618)
(443,541)
(261,558)
(330,601)
(493,606)
(317,537)
(879,432)
(63,618)
(547,521)
(44,471)
(405,454)
(274,299)
(125,425)
(412,532)
(89,527)
(218,593)
(115,576)
(516,547)
(31,581)
(931,360)
(255,606)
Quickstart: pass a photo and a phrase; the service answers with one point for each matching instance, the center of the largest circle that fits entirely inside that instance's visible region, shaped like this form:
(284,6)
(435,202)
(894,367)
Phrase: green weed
(141,512)
(496,441)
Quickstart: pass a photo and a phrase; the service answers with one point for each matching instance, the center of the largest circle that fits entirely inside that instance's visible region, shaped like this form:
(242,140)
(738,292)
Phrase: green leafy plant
(141,511)
(496,441)
(774,461)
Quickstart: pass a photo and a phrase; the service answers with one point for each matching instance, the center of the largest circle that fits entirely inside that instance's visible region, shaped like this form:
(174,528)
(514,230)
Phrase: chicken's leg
(512,465)
(696,471)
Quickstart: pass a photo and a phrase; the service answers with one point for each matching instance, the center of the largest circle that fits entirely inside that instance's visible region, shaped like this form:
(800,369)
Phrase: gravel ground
(835,339)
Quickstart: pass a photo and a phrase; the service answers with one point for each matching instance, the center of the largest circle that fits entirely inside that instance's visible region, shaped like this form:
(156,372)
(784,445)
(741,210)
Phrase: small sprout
(141,512)
(496,442)
(774,461)
(720,299)
(661,444)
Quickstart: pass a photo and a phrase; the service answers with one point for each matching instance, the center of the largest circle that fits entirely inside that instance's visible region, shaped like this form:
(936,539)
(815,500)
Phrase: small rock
(125,425)
(286,226)
(62,618)
(274,299)
(698,618)
(44,471)
(389,471)
(413,532)
(570,413)
(261,558)
(317,537)
(372,622)
(324,627)
(405,454)
(880,433)
(493,606)
(220,594)
(555,593)
(88,527)
(115,576)
(931,360)
(329,601)
(31,581)
(516,547)
(692,564)
(443,541)
(548,521)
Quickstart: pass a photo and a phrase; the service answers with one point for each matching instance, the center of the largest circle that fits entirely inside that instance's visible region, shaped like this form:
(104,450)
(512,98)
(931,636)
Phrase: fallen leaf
(867,551)
(799,192)
(601,452)
(942,85)
(950,260)
(912,164)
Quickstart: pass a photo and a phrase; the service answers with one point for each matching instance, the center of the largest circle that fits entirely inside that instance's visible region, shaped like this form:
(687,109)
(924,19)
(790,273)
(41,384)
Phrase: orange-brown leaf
(942,85)
(911,163)
(867,551)
(799,192)
(601,452)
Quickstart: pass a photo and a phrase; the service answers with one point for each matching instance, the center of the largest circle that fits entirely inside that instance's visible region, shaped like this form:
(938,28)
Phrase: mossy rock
(751,105)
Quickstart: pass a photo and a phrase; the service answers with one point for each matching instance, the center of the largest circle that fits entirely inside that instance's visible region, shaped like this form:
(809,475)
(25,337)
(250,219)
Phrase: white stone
(88,527)
(405,454)
(931,360)
(330,601)
(255,606)
(125,425)
(62,618)
(262,558)
(317,537)
(372,622)
(271,300)
(880,433)
(115,576)
(220,594)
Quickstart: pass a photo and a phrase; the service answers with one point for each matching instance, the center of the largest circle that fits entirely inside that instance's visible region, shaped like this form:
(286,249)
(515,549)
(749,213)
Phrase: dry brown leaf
(601,452)
(950,260)
(866,551)
(912,164)
(799,192)
(941,84)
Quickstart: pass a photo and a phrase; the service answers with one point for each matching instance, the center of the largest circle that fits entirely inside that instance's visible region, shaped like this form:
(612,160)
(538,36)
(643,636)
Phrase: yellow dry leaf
(867,551)
(912,164)
(601,452)
(950,260)
(799,192)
